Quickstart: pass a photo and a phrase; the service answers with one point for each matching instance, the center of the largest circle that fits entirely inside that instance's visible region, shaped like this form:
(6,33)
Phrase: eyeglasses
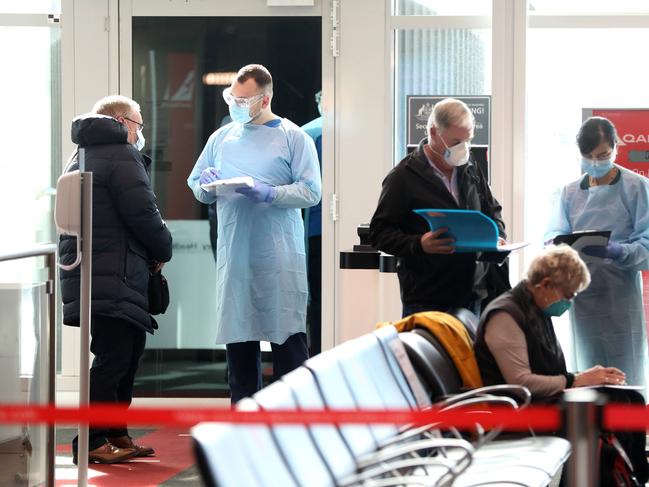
(570,296)
(243,102)
(141,125)
(567,295)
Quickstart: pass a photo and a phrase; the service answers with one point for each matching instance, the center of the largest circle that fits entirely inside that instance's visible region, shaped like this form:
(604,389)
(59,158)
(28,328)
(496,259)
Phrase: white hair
(116,106)
(562,265)
(450,113)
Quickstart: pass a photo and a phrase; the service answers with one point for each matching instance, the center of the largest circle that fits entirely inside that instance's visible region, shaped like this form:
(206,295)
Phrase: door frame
(127,9)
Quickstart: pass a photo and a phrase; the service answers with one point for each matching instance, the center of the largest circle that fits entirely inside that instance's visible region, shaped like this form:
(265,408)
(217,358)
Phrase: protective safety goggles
(611,156)
(243,102)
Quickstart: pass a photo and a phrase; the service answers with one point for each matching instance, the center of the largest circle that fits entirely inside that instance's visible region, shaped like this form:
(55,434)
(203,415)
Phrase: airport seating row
(378,371)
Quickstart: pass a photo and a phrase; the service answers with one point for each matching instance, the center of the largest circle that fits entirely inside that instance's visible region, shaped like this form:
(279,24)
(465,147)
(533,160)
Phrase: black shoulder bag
(158,293)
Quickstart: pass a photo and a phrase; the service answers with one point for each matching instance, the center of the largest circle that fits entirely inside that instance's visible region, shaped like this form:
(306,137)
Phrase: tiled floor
(172,466)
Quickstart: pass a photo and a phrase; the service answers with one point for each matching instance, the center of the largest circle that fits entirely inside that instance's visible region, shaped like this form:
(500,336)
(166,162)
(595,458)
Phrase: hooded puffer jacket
(128,231)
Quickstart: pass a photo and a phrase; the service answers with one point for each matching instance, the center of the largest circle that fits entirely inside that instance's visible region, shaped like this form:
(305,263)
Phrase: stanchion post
(582,417)
(86,286)
(51,366)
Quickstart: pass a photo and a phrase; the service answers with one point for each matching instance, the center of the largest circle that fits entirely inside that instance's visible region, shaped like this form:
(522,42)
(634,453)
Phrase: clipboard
(623,387)
(221,187)
(579,240)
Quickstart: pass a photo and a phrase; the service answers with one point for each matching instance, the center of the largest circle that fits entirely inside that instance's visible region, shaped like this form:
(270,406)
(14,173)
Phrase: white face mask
(139,143)
(458,155)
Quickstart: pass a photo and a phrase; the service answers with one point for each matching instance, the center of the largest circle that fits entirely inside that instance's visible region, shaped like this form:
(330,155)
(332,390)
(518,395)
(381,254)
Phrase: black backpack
(615,469)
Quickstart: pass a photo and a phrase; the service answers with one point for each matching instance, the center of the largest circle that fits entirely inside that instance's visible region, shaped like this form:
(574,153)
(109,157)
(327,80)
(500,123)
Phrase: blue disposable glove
(259,193)
(611,251)
(209,175)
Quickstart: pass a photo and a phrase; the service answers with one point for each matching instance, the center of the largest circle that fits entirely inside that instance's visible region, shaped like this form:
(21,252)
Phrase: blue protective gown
(313,220)
(261,284)
(608,322)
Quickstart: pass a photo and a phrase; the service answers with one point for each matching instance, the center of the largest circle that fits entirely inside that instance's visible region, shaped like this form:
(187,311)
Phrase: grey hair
(116,106)
(450,113)
(562,265)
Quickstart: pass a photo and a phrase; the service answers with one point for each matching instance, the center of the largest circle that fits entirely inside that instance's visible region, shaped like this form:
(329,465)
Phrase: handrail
(35,251)
(49,251)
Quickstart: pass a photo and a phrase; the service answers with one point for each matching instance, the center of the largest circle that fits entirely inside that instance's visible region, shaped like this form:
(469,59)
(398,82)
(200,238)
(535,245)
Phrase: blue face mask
(596,169)
(240,114)
(557,308)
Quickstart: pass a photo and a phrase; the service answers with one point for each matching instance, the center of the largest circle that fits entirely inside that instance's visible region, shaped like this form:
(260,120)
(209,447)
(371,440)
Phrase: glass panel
(179,80)
(438,62)
(598,71)
(29,163)
(591,7)
(23,373)
(442,7)
(30,7)
(33,127)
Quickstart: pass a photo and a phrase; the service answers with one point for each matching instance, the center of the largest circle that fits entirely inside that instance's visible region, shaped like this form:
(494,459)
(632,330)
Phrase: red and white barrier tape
(615,417)
(538,417)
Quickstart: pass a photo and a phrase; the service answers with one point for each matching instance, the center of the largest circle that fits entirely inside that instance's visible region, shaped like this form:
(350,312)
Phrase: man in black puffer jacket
(129,239)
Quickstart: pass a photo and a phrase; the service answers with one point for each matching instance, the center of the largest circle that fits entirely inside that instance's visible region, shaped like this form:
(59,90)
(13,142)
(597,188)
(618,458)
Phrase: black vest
(543,348)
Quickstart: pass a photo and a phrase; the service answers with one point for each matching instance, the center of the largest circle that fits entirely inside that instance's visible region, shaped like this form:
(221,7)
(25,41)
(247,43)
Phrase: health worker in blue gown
(608,321)
(313,226)
(261,282)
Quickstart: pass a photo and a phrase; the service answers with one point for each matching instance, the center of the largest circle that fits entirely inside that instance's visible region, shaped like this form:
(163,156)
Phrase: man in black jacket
(129,240)
(438,174)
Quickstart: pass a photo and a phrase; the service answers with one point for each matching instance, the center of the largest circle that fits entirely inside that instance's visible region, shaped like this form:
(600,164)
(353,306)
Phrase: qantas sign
(633,139)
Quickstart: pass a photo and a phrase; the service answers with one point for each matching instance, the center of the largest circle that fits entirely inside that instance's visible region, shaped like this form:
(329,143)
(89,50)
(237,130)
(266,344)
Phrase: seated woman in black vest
(516,343)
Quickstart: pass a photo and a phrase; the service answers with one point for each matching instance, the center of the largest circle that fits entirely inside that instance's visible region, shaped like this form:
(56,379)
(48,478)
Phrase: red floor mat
(173,455)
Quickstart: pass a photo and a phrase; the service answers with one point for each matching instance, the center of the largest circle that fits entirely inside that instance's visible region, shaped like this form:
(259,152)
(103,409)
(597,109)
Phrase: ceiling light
(222,78)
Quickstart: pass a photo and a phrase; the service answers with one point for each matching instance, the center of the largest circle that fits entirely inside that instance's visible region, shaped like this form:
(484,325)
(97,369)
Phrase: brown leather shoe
(127,442)
(108,453)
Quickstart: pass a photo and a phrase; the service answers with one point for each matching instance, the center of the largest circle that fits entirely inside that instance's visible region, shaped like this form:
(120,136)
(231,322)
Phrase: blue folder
(472,230)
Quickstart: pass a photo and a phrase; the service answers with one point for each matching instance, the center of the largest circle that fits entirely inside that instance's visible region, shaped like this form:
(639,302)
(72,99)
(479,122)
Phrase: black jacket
(128,231)
(427,279)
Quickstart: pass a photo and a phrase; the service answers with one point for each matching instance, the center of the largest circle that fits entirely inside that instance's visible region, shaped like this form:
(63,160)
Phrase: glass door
(29,165)
(180,65)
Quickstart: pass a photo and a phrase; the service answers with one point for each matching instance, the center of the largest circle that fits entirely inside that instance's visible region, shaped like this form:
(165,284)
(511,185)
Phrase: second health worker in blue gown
(261,282)
(608,321)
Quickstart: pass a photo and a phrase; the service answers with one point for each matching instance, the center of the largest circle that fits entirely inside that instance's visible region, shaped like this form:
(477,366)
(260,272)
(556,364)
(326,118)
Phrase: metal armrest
(409,480)
(410,431)
(369,476)
(480,399)
(524,392)
(400,450)
(508,401)
(390,460)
